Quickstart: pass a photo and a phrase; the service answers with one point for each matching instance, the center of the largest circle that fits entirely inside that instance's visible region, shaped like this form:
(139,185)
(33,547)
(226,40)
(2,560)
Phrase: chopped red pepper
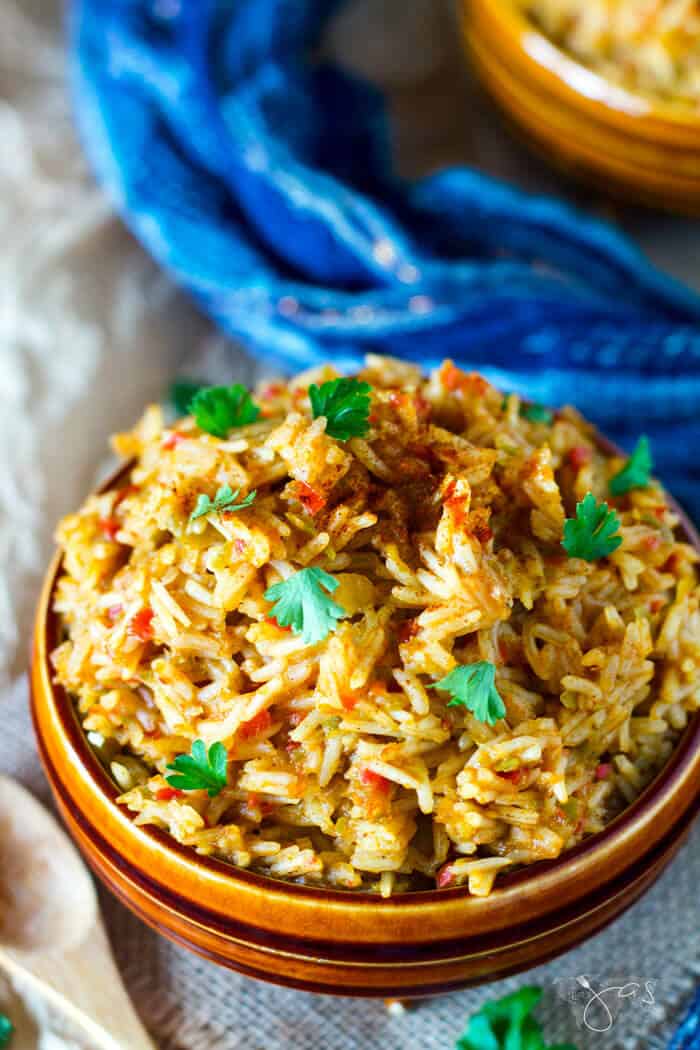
(128,490)
(452,377)
(407,630)
(142,624)
(109,526)
(659,512)
(374,780)
(312,500)
(166,794)
(256,725)
(656,604)
(445,877)
(173,440)
(579,456)
(348,700)
(514,775)
(291,746)
(603,771)
(652,542)
(279,626)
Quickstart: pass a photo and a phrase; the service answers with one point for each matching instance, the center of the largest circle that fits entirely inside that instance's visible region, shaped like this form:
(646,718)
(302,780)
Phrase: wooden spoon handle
(84,984)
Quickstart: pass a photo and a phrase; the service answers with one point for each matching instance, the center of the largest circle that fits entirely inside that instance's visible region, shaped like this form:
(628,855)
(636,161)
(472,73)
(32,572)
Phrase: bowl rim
(685,754)
(604,97)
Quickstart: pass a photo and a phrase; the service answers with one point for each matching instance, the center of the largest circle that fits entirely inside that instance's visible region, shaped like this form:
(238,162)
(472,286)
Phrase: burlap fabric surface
(88,331)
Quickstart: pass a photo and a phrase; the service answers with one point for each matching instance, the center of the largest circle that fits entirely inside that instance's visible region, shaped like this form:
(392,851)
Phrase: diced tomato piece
(374,780)
(659,512)
(261,722)
(445,876)
(603,771)
(166,794)
(407,630)
(652,542)
(142,624)
(271,390)
(348,700)
(127,490)
(514,775)
(279,626)
(312,500)
(109,526)
(291,745)
(452,377)
(457,508)
(579,456)
(255,802)
(173,440)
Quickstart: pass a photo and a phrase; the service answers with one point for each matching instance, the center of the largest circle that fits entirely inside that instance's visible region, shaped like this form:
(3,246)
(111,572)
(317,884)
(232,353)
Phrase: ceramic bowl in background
(625,144)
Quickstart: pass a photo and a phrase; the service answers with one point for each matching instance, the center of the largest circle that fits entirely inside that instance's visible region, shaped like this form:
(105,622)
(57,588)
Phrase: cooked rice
(443,527)
(648,46)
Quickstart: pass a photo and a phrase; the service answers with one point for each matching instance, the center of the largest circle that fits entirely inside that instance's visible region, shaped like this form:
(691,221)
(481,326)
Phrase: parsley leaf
(302,603)
(345,404)
(474,686)
(508,1024)
(6,1030)
(225,499)
(200,770)
(536,414)
(592,533)
(218,409)
(636,472)
(182,391)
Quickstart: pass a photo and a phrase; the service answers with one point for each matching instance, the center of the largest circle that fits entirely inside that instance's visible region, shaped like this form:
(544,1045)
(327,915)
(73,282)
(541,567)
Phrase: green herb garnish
(345,404)
(199,770)
(593,533)
(536,414)
(181,394)
(6,1031)
(302,603)
(225,499)
(219,409)
(636,473)
(508,1024)
(474,686)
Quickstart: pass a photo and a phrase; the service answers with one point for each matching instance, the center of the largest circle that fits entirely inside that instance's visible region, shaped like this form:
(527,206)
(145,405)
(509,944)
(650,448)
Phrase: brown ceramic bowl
(626,144)
(345,942)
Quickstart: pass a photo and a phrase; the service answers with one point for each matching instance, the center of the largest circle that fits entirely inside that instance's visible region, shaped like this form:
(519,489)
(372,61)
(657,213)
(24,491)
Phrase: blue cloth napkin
(260,178)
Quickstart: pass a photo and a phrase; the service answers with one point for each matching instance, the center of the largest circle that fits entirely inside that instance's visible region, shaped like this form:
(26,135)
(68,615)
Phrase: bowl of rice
(607,91)
(374,685)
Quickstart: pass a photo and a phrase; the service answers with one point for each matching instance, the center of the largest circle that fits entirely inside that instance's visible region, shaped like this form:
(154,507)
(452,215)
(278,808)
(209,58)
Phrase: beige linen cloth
(90,330)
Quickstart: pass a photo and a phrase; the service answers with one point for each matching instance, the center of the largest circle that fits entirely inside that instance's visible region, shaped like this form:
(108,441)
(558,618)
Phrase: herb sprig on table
(303,602)
(345,403)
(594,532)
(200,770)
(6,1031)
(508,1024)
(474,686)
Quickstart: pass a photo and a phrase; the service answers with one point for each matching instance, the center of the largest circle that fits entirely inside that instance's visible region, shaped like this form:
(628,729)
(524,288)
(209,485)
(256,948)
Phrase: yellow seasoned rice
(443,527)
(647,46)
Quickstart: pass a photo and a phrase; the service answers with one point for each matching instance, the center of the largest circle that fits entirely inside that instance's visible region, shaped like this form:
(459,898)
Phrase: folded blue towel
(260,178)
